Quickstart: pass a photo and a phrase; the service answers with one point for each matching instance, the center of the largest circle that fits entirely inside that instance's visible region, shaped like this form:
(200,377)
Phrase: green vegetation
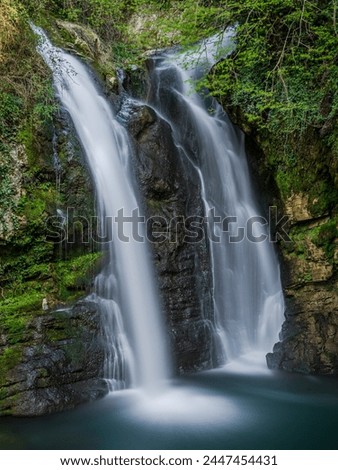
(74,276)
(59,281)
(130,27)
(8,359)
(283,72)
(324,236)
(25,88)
(30,266)
(280,84)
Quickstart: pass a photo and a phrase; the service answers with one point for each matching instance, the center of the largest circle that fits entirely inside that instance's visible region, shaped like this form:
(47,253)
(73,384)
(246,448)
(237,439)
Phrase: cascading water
(247,292)
(126,287)
(213,410)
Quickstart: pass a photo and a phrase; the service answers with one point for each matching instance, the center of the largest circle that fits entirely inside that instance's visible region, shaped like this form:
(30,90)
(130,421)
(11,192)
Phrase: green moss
(64,330)
(35,203)
(303,165)
(43,372)
(7,190)
(324,197)
(21,303)
(74,352)
(16,311)
(324,237)
(10,114)
(14,326)
(64,281)
(10,357)
(26,138)
(61,331)
(285,182)
(157,205)
(19,265)
(73,276)
(307,277)
(280,85)
(9,403)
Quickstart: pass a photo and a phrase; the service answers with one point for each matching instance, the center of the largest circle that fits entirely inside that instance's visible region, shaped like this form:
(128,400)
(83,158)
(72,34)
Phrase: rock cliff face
(309,337)
(58,363)
(48,361)
(172,194)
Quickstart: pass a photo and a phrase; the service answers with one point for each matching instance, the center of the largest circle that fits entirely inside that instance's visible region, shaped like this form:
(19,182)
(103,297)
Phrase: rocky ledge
(57,363)
(309,337)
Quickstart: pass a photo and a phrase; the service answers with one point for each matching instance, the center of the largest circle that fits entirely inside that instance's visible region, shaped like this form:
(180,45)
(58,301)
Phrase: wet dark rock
(171,191)
(60,365)
(309,338)
(76,187)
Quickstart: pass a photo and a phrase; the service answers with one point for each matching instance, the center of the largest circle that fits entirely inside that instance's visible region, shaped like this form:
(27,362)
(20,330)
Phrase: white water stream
(127,283)
(247,291)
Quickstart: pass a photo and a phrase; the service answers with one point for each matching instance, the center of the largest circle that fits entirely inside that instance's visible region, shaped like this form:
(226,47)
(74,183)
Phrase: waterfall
(247,291)
(125,290)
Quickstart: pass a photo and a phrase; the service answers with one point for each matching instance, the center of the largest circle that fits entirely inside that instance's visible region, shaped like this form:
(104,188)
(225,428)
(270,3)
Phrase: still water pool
(220,409)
